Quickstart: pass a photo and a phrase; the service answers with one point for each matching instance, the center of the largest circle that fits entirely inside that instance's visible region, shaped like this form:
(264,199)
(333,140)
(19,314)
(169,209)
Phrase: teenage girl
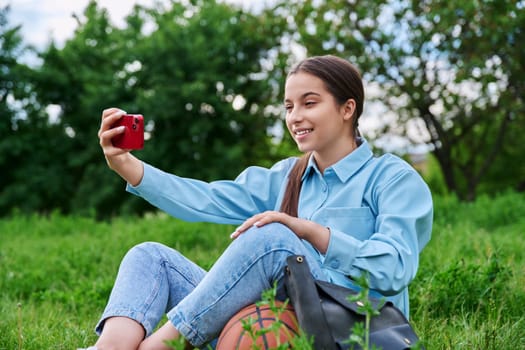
(346,210)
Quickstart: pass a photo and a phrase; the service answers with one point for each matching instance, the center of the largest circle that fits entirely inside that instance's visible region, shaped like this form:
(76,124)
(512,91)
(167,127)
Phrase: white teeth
(303,132)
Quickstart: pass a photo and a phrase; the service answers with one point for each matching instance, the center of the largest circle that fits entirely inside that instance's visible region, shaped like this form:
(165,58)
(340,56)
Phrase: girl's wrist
(318,236)
(128,167)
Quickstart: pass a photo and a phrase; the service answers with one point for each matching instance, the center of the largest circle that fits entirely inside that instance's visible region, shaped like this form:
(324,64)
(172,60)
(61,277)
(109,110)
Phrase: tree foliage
(194,70)
(208,79)
(451,71)
(29,143)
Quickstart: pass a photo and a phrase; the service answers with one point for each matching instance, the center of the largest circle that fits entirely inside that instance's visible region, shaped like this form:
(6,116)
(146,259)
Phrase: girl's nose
(294,115)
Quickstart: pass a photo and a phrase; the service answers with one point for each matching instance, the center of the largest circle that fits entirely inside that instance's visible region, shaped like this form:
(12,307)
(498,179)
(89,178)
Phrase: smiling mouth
(302,132)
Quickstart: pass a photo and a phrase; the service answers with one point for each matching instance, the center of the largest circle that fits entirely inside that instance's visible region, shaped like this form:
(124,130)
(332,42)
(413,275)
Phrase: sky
(42,20)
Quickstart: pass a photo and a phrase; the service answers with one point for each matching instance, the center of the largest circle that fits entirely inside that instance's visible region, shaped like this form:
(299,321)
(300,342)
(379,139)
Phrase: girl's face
(315,120)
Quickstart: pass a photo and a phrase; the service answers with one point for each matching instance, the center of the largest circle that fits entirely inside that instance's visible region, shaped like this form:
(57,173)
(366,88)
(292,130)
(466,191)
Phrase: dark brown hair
(344,82)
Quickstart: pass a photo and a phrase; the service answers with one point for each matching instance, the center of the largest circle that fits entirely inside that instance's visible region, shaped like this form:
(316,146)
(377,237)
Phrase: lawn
(56,273)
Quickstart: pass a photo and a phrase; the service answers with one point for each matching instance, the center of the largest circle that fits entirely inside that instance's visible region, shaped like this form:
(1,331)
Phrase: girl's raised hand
(120,160)
(106,133)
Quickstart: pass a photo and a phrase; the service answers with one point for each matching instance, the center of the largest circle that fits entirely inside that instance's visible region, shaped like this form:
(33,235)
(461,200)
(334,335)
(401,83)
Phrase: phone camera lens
(134,126)
(136,120)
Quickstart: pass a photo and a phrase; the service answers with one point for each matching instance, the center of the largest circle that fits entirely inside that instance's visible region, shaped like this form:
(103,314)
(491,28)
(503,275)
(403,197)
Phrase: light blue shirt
(379,211)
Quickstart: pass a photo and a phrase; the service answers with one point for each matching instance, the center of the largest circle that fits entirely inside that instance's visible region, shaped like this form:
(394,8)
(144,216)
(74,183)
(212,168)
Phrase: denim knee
(152,279)
(147,249)
(272,243)
(274,235)
(252,264)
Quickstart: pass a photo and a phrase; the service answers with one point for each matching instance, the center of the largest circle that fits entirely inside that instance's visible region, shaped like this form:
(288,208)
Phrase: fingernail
(256,224)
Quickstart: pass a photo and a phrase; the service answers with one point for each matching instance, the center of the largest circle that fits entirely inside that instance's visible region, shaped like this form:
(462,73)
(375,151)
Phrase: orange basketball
(253,328)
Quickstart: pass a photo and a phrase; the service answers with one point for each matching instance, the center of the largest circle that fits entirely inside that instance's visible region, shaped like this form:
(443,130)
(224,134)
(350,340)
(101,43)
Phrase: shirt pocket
(358,222)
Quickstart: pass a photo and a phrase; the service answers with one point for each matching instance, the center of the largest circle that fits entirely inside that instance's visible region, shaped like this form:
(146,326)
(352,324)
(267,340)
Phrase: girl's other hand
(316,234)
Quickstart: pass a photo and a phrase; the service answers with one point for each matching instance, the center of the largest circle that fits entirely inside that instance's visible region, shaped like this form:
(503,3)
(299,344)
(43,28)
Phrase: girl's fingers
(106,132)
(109,118)
(243,227)
(105,136)
(258,220)
(109,111)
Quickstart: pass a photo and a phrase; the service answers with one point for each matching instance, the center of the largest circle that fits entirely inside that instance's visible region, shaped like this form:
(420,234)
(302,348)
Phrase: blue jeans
(154,279)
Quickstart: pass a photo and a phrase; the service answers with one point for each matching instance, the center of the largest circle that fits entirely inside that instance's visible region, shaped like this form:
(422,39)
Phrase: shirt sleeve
(255,190)
(403,226)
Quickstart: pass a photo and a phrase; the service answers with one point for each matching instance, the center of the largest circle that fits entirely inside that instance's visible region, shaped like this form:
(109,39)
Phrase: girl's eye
(288,107)
(309,103)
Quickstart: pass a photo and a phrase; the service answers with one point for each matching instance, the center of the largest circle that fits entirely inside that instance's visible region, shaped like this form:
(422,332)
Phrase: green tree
(81,79)
(194,70)
(480,40)
(451,71)
(10,45)
(28,142)
(203,88)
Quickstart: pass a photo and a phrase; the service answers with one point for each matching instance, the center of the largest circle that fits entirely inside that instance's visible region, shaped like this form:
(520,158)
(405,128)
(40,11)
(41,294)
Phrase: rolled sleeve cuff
(341,252)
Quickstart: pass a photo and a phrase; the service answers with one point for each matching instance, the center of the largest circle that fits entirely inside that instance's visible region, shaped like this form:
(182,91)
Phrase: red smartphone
(133,136)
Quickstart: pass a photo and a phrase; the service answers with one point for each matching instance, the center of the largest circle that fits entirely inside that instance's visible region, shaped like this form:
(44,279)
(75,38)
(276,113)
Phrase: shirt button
(335,264)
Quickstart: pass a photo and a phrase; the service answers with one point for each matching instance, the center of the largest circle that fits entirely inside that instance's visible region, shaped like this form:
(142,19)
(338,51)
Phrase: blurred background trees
(208,78)
(451,72)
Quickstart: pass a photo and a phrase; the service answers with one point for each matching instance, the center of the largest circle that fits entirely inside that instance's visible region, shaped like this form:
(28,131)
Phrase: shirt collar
(347,166)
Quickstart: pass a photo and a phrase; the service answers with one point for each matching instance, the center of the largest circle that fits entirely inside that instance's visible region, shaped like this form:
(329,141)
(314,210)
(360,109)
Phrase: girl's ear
(349,109)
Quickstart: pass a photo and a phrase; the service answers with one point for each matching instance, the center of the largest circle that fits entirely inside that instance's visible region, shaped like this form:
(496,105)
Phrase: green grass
(56,273)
